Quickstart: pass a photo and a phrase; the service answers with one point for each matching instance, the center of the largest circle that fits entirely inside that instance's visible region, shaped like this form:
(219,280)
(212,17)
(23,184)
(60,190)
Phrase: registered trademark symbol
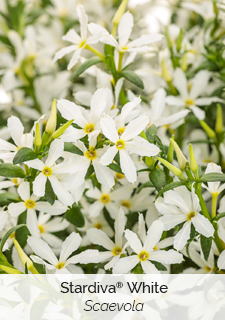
(119,285)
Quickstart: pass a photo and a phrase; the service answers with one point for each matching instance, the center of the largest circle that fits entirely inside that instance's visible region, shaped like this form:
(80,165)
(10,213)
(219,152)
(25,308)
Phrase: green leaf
(70,147)
(158,178)
(11,171)
(150,133)
(22,234)
(75,216)
(147,184)
(87,64)
(24,154)
(49,192)
(213,177)
(170,186)
(133,77)
(115,167)
(159,266)
(206,244)
(8,234)
(7,197)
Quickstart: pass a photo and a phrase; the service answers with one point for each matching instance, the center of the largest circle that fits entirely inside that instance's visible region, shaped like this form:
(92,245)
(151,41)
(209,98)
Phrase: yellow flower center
(155,248)
(90,127)
(143,255)
(121,131)
(120,144)
(98,226)
(91,154)
(47,171)
(15,181)
(125,203)
(208,269)
(60,265)
(105,198)
(116,251)
(189,102)
(190,216)
(119,176)
(82,43)
(12,235)
(30,204)
(113,107)
(41,228)
(125,48)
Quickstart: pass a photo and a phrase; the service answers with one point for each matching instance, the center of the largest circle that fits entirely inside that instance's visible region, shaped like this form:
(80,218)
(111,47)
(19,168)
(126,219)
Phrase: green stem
(120,61)
(217,239)
(96,52)
(214,203)
(114,28)
(202,202)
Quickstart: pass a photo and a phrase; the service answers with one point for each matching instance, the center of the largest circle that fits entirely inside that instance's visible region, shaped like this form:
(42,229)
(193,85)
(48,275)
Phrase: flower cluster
(124,138)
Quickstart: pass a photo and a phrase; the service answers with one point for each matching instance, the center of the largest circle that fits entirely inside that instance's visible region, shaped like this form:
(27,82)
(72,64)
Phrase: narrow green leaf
(206,244)
(115,167)
(133,77)
(49,192)
(170,186)
(159,266)
(75,216)
(24,154)
(147,184)
(213,177)
(11,171)
(22,234)
(7,197)
(8,234)
(70,147)
(87,64)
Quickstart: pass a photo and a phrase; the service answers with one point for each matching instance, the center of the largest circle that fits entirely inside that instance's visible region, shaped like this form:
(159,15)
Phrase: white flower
(115,249)
(3,218)
(189,98)
(79,42)
(215,188)
(60,265)
(50,170)
(87,120)
(146,252)
(127,142)
(180,206)
(16,129)
(221,260)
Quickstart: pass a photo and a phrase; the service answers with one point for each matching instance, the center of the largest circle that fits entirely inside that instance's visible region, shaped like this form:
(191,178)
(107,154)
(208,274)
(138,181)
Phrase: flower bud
(51,123)
(219,120)
(37,137)
(24,258)
(10,270)
(211,134)
(177,172)
(165,73)
(193,162)
(180,157)
(118,15)
(60,131)
(170,151)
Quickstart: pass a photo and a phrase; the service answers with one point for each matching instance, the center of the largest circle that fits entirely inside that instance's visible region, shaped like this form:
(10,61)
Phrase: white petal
(133,240)
(145,39)
(149,268)
(175,101)
(172,220)
(142,147)
(52,240)
(104,175)
(83,19)
(56,224)
(71,243)
(24,191)
(72,36)
(180,82)
(55,152)
(15,209)
(109,128)
(6,146)
(154,234)
(3,219)
(125,28)
(83,97)
(158,105)
(135,127)
(119,228)
(63,194)
(98,104)
(61,53)
(118,87)
(127,166)
(182,236)
(69,110)
(43,250)
(39,185)
(99,237)
(74,58)
(141,228)
(108,156)
(32,223)
(27,140)
(113,209)
(207,101)
(203,225)
(200,114)
(36,164)
(221,261)
(124,265)
(199,83)
(112,262)
(16,129)
(56,209)
(166,257)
